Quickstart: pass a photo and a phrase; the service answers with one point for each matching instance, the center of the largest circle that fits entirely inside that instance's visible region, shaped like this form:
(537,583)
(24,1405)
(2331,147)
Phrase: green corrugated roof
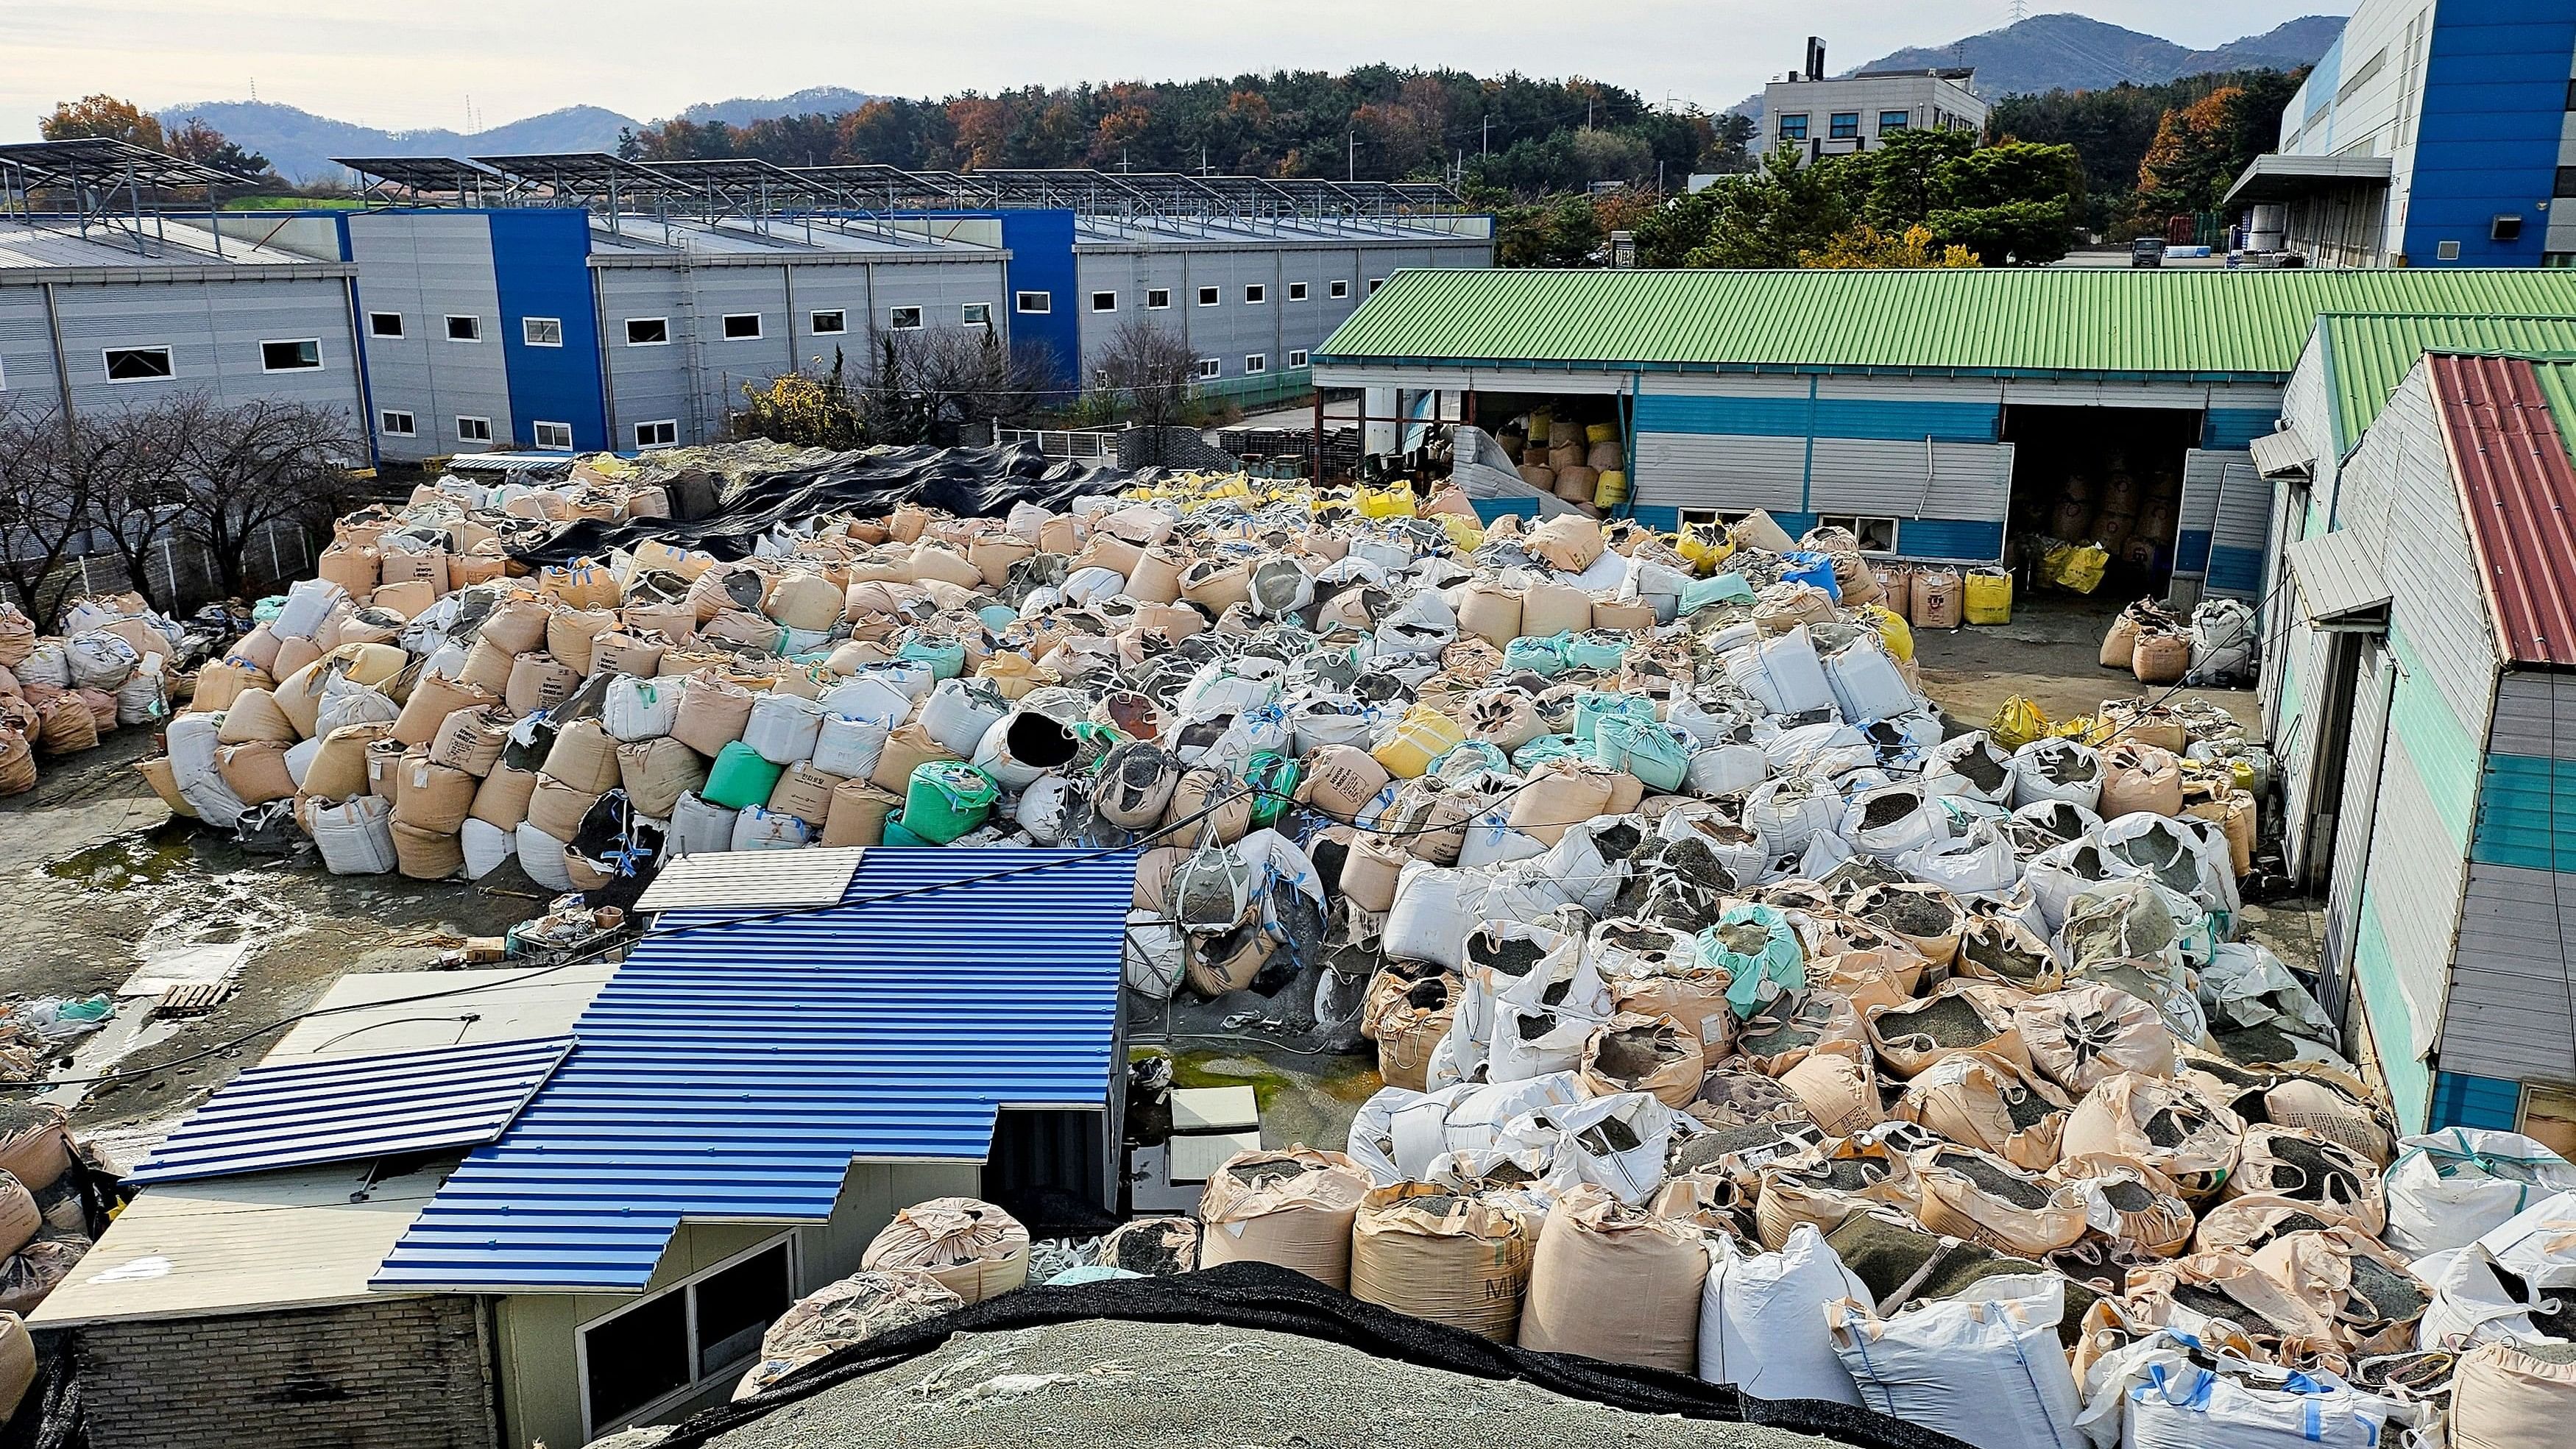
(2210,323)
(2371,353)
(2557,379)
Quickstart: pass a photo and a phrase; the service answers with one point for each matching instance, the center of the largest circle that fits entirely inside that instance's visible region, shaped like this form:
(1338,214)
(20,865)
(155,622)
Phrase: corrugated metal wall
(2224,519)
(2512,1011)
(427,267)
(213,328)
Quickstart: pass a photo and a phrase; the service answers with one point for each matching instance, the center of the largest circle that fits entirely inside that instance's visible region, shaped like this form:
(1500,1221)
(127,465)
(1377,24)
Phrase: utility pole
(1487,149)
(1354,163)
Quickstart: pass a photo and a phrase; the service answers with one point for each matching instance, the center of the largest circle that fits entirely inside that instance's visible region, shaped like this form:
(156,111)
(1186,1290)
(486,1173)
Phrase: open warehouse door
(2106,476)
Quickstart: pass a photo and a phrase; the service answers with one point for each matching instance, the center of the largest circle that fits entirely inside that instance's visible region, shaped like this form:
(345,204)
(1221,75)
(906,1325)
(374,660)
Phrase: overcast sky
(414,63)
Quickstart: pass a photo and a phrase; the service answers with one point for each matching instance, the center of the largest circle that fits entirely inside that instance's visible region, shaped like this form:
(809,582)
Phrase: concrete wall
(1926,100)
(397,1373)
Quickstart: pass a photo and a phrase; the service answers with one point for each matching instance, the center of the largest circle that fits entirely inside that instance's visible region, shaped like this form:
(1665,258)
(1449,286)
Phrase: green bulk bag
(1655,753)
(1597,649)
(946,657)
(1594,705)
(1723,589)
(1542,657)
(740,777)
(946,799)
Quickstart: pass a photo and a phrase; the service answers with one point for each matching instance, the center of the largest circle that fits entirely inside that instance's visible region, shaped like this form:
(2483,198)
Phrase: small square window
(1034,302)
(139,364)
(1793,128)
(742,326)
(662,434)
(552,437)
(1255,362)
(1255,294)
(1876,535)
(473,430)
(1891,122)
(1207,296)
(1297,357)
(2566,186)
(301,355)
(975,314)
(648,332)
(2505,229)
(1104,301)
(2448,251)
(825,324)
(1846,126)
(541,331)
(1157,298)
(1337,289)
(384,324)
(1296,291)
(903,319)
(1375,283)
(464,329)
(395,424)
(1211,367)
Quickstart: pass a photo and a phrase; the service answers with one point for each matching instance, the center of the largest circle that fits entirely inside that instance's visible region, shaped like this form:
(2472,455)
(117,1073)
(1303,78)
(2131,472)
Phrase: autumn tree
(196,141)
(242,469)
(103,116)
(1864,246)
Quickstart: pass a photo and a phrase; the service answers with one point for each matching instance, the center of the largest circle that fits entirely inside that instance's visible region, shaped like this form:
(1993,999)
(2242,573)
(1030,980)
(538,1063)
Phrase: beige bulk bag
(432,701)
(1690,992)
(1568,542)
(570,634)
(2169,1126)
(471,739)
(259,646)
(858,814)
(1293,1208)
(1340,781)
(1960,1192)
(973,1248)
(809,602)
(2140,779)
(2236,818)
(465,570)
(1837,1089)
(1634,1052)
(401,565)
(18,776)
(713,713)
(1410,1022)
(384,767)
(218,685)
(655,773)
(1990,1103)
(2129,1202)
(433,798)
(502,801)
(2149,723)
(931,562)
(1157,575)
(2512,1396)
(255,772)
(1217,585)
(1615,1283)
(1549,608)
(1963,1016)
(727,586)
(1491,612)
(1577,484)
(2119,645)
(352,567)
(20,1218)
(2087,1032)
(1783,1030)
(626,654)
(2336,1185)
(487,667)
(1433,1253)
(1370,873)
(1939,597)
(676,622)
(1925,917)
(557,808)
(584,756)
(255,716)
(905,750)
(1204,790)
(2160,658)
(2332,1113)
(2001,948)
(516,625)
(1560,795)
(426,855)
(804,792)
(1825,1184)
(1539,476)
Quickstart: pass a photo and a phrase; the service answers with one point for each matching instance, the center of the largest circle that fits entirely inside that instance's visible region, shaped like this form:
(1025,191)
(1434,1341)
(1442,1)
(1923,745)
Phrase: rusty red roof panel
(2518,492)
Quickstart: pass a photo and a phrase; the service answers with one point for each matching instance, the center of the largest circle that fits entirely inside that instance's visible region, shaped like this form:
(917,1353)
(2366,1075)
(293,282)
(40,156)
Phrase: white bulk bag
(1970,766)
(2471,1303)
(1709,722)
(1905,822)
(2078,769)
(488,847)
(2449,1188)
(1046,809)
(1435,908)
(2222,640)
(1827,749)
(1760,1328)
(640,709)
(1319,720)
(783,727)
(46,663)
(758,828)
(912,678)
(2057,875)
(2182,853)
(1492,841)
(100,660)
(959,712)
(1979,861)
(299,758)
(192,743)
(308,603)
(1984,1368)
(542,857)
(1535,1041)
(849,746)
(1787,814)
(870,697)
(2051,815)
(356,838)
(697,827)
(345,702)
(1230,687)
(1783,672)
(1904,740)
(2160,1398)
(1586,1137)
(1865,683)
(1092,585)
(1724,769)
(1155,960)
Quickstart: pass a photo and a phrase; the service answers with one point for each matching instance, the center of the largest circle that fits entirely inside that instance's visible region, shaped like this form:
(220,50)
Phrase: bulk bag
(945,799)
(1657,754)
(739,778)
(1782,672)
(1434,1253)
(1984,1368)
(656,773)
(2511,1396)
(2056,768)
(2450,1188)
(974,1249)
(1616,1283)
(960,712)
(1865,682)
(356,838)
(760,828)
(1294,1208)
(1759,1325)
(697,827)
(782,728)
(640,709)
(2156,1395)
(848,745)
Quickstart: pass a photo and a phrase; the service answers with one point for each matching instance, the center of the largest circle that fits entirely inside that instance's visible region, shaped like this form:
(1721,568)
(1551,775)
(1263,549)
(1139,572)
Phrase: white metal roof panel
(2337,577)
(753,880)
(369,1013)
(2282,454)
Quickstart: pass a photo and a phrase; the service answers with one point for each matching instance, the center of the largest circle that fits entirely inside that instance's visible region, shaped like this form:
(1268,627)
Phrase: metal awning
(2340,584)
(745,882)
(2279,177)
(2283,455)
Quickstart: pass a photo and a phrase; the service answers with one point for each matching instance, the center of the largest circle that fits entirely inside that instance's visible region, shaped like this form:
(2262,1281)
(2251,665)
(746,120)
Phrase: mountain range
(2041,53)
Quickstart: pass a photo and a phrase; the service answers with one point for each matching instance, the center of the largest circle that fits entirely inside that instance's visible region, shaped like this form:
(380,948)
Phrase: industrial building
(105,305)
(1817,116)
(1937,413)
(2431,133)
(584,302)
(534,1205)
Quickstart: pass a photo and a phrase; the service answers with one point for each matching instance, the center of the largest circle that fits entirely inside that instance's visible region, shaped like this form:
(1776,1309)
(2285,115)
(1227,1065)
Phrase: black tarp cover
(1264,1296)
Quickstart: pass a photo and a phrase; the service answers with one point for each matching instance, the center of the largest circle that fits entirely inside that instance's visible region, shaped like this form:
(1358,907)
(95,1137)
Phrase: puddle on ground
(135,862)
(129,1031)
(196,897)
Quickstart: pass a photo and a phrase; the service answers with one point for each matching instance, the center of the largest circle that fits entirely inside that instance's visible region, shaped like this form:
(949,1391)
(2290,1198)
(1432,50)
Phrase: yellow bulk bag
(1601,433)
(1990,596)
(1393,501)
(1423,735)
(1893,631)
(2076,566)
(1610,490)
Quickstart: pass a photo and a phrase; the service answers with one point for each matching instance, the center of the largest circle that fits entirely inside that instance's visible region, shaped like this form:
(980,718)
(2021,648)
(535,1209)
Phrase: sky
(415,63)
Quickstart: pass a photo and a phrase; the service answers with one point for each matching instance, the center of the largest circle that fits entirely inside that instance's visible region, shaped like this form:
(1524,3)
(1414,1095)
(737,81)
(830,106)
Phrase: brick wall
(404,1373)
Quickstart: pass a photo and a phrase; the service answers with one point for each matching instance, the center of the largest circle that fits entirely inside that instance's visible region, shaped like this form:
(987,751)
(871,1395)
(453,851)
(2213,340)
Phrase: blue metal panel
(1667,519)
(1965,540)
(540,267)
(2482,1102)
(1041,247)
(2234,571)
(2495,103)
(2191,551)
(2234,428)
(1488,510)
(733,1070)
(2526,813)
(302,1112)
(1789,417)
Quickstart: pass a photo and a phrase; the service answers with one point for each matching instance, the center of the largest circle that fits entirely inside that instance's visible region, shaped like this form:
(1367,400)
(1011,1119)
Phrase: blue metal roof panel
(307,1111)
(733,1069)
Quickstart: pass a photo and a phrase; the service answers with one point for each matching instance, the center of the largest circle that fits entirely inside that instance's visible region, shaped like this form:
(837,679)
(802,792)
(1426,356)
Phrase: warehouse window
(1375,283)
(1891,122)
(139,364)
(1104,301)
(1207,296)
(464,329)
(384,324)
(1876,535)
(1034,302)
(1211,367)
(395,424)
(2566,187)
(2505,229)
(824,324)
(660,434)
(1255,362)
(1296,291)
(742,326)
(1158,298)
(648,1356)
(302,354)
(2448,251)
(1256,294)
(473,430)
(552,437)
(1337,290)
(541,331)
(1845,126)
(975,314)
(904,319)
(1297,358)
(648,332)
(1793,128)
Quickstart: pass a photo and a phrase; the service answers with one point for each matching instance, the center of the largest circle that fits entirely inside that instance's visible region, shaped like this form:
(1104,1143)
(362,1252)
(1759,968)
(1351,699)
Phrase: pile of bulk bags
(116,663)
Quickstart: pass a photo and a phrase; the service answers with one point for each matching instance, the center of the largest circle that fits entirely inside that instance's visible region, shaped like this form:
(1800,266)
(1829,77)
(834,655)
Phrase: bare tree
(1151,368)
(138,505)
(927,387)
(50,472)
(247,468)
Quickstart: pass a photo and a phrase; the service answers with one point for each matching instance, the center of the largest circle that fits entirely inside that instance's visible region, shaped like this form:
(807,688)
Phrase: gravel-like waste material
(1103,1383)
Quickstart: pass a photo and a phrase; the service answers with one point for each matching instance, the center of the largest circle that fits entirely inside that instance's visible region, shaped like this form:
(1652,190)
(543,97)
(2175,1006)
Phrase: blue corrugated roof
(734,1070)
(336,1109)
